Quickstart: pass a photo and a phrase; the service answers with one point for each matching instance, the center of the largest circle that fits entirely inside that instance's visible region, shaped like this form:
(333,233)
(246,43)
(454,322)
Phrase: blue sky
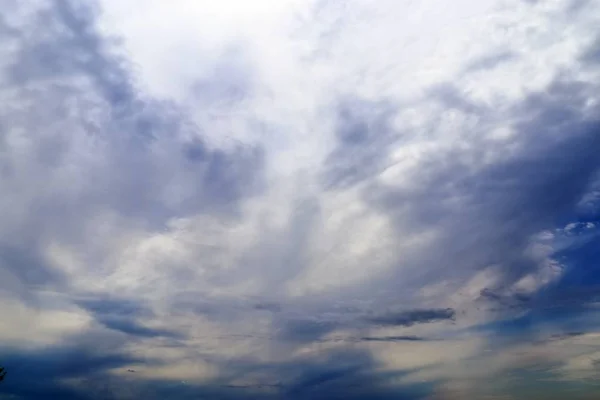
(300,199)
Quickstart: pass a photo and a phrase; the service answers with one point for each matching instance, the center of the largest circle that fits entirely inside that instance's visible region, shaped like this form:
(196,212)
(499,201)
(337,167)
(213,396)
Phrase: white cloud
(407,160)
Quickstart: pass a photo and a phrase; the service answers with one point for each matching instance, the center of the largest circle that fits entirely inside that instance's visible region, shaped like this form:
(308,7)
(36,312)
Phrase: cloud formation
(300,200)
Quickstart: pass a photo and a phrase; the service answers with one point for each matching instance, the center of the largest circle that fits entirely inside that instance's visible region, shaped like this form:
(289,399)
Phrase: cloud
(340,374)
(409,318)
(505,207)
(363,134)
(91,90)
(83,147)
(45,372)
(393,339)
(301,200)
(87,159)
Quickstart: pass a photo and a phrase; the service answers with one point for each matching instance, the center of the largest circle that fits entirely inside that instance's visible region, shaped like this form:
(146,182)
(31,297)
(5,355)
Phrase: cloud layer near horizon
(299,200)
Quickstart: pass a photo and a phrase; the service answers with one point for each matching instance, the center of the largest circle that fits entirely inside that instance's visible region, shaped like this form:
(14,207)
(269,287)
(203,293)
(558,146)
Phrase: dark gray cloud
(364,135)
(348,373)
(105,304)
(71,47)
(130,327)
(412,317)
(124,315)
(29,266)
(350,376)
(271,307)
(316,325)
(565,335)
(305,330)
(41,373)
(392,339)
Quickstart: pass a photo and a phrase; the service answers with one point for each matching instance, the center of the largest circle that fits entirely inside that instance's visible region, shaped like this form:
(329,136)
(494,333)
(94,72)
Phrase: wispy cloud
(323,199)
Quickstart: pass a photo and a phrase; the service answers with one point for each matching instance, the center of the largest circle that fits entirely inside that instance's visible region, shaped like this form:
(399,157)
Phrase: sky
(300,199)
